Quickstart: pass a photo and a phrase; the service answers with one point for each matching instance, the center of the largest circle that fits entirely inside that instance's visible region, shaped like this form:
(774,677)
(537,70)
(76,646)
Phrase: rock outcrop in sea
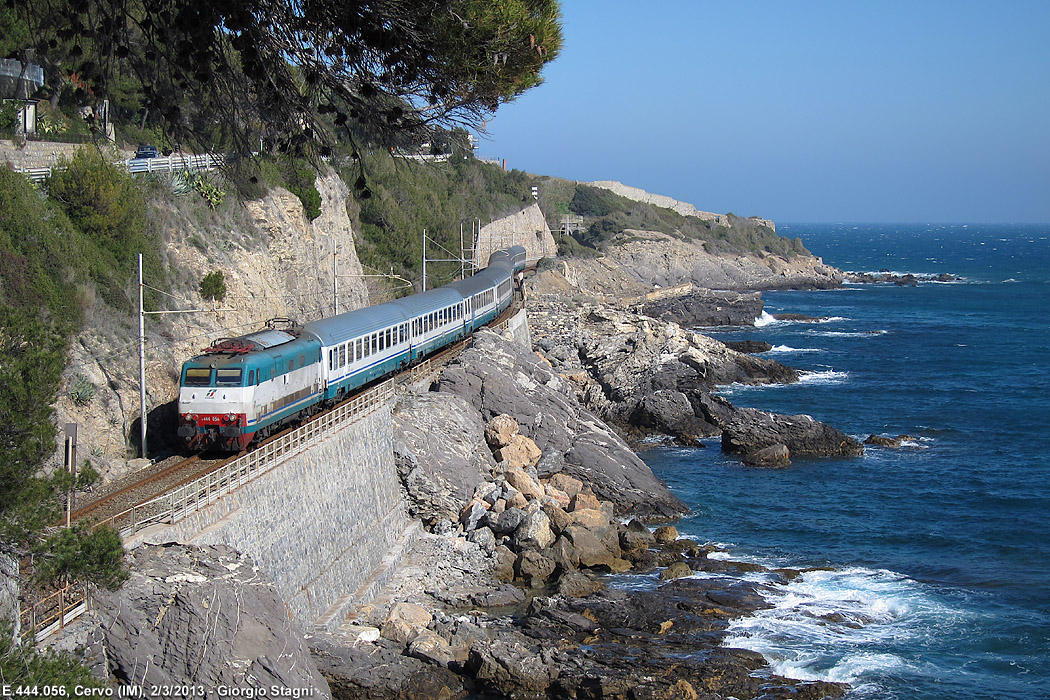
(649,377)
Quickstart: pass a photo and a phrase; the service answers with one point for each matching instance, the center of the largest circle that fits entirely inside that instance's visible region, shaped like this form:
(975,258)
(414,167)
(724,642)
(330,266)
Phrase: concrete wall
(319,525)
(526,228)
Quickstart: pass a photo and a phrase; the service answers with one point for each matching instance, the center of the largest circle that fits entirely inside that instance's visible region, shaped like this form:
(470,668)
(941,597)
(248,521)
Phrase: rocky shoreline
(519,465)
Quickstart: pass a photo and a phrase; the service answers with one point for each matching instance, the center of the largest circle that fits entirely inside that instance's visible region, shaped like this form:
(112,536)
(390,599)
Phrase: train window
(251,377)
(357,349)
(198,376)
(302,360)
(382,341)
(228,377)
(375,344)
(331,359)
(342,356)
(291,364)
(390,339)
(404,332)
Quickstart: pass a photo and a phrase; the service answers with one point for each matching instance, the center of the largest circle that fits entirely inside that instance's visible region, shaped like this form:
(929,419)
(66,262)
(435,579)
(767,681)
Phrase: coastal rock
(777,455)
(748,430)
(201,616)
(380,671)
(500,377)
(661,259)
(678,569)
(706,307)
(440,453)
(885,441)
(511,668)
(748,346)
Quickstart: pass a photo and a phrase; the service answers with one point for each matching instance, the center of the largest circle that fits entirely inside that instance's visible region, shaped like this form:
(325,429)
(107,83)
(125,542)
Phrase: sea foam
(841,626)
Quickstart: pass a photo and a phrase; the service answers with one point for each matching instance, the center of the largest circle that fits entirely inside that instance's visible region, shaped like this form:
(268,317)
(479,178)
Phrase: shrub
(208,190)
(79,553)
(81,390)
(213,286)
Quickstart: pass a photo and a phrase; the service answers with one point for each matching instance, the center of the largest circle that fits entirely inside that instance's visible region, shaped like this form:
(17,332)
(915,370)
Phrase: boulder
(503,560)
(576,584)
(635,540)
(519,452)
(570,486)
(201,616)
(678,569)
(472,514)
(500,430)
(534,532)
(523,482)
(589,549)
(773,456)
(534,568)
(430,647)
(507,522)
(509,668)
(583,501)
(484,538)
(666,534)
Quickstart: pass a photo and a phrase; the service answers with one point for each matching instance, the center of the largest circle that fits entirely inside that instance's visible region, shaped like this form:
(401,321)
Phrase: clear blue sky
(911,111)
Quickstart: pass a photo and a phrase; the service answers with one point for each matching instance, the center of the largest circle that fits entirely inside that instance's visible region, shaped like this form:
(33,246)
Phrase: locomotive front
(216,398)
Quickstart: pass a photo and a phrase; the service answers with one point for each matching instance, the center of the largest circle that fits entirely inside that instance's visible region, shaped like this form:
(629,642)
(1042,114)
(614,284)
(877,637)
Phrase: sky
(799,111)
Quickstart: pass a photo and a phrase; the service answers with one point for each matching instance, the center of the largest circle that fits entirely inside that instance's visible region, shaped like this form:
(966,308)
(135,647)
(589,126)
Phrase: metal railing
(199,493)
(165,164)
(45,617)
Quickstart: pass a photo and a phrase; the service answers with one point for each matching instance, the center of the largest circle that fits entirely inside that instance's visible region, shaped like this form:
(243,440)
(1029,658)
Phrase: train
(239,390)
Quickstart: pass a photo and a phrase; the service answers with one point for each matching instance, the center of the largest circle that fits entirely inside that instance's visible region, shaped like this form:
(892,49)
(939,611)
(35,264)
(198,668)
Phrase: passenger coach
(249,387)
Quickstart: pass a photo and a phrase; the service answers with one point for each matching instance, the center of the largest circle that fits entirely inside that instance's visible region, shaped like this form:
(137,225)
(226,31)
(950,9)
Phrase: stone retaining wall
(36,154)
(318,525)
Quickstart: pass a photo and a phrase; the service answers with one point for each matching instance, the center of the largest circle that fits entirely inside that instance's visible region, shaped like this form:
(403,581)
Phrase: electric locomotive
(249,387)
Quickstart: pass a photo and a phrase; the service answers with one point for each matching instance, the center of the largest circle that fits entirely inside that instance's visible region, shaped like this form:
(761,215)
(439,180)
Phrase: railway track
(121,497)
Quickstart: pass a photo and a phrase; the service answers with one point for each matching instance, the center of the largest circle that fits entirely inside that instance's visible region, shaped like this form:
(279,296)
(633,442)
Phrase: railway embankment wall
(319,525)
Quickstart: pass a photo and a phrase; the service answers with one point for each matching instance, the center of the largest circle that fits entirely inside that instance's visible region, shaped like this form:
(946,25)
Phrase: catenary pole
(142,363)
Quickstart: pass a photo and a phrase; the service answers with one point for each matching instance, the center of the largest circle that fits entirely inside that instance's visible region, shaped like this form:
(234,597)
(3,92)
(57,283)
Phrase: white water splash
(766,319)
(841,626)
(786,349)
(823,378)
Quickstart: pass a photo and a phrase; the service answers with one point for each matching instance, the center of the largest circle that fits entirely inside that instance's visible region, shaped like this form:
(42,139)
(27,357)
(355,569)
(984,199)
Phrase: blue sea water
(934,558)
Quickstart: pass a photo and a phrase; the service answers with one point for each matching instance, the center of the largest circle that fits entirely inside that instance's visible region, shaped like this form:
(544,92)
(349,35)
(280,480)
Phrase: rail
(202,491)
(44,618)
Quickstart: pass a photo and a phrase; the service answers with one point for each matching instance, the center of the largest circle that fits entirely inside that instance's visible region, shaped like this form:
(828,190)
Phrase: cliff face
(527,228)
(275,263)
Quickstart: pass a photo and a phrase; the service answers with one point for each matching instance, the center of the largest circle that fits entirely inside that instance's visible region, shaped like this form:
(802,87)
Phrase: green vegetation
(80,553)
(107,209)
(23,666)
(407,197)
(607,216)
(47,264)
(231,75)
(213,286)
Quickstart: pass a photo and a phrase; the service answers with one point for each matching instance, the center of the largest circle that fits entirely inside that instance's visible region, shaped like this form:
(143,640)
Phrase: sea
(929,563)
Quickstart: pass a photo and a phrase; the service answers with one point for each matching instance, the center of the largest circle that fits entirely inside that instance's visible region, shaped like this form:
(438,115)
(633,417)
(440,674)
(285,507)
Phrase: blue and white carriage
(243,388)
